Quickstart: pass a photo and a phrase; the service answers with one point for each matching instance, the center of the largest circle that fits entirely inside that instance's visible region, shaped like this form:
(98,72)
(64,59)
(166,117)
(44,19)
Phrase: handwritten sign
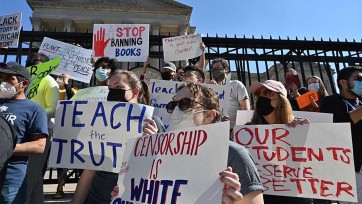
(75,60)
(181,47)
(151,170)
(97,93)
(10,30)
(163,91)
(244,116)
(298,161)
(151,73)
(93,134)
(126,42)
(38,72)
(304,100)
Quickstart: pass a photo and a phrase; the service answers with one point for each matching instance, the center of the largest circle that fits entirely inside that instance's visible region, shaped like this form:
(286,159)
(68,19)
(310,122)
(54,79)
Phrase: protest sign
(97,93)
(298,161)
(304,100)
(162,92)
(244,116)
(10,26)
(181,47)
(38,72)
(181,165)
(125,42)
(93,134)
(75,60)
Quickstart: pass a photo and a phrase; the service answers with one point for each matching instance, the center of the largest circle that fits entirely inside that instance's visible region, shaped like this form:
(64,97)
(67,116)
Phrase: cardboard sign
(313,161)
(244,116)
(38,72)
(181,47)
(162,92)
(304,100)
(97,93)
(185,168)
(10,26)
(125,42)
(75,60)
(93,134)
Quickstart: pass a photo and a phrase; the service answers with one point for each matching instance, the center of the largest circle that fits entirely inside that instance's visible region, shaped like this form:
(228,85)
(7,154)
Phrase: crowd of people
(194,104)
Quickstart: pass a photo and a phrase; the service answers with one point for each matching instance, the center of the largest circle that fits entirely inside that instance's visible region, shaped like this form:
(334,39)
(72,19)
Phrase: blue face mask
(357,89)
(101,74)
(313,86)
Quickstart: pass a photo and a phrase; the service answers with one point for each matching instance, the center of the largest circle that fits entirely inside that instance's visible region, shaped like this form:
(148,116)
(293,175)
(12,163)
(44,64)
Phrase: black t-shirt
(340,108)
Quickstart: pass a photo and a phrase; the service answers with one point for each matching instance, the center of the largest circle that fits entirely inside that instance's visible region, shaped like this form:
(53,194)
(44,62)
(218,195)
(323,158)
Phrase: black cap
(15,69)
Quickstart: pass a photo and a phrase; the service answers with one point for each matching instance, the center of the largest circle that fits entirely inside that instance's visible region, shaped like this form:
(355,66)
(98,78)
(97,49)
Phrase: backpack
(8,141)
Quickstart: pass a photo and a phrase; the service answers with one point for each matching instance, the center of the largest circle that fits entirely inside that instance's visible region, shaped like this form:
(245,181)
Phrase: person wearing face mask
(239,99)
(30,124)
(168,71)
(47,97)
(273,107)
(347,107)
(103,69)
(96,186)
(314,82)
(195,105)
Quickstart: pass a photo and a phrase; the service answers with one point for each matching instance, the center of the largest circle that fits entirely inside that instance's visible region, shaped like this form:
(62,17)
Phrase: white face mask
(183,119)
(7,90)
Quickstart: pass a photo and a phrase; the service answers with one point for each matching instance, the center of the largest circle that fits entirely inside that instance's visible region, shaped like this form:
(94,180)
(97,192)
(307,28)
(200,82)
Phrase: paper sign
(155,171)
(97,93)
(181,47)
(162,92)
(10,26)
(125,42)
(244,116)
(304,100)
(75,60)
(38,72)
(93,134)
(312,161)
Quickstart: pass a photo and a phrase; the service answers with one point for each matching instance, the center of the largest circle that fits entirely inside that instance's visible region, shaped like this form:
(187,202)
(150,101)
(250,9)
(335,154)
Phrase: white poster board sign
(93,134)
(125,42)
(244,116)
(162,92)
(313,161)
(10,26)
(175,170)
(97,93)
(75,60)
(181,47)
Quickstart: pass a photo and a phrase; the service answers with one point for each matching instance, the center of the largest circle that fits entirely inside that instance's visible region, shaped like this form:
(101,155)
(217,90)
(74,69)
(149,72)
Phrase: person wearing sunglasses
(124,86)
(195,105)
(273,107)
(347,107)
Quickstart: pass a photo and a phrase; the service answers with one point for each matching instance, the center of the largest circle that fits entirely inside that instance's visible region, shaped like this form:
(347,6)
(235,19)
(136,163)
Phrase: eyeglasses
(356,78)
(183,104)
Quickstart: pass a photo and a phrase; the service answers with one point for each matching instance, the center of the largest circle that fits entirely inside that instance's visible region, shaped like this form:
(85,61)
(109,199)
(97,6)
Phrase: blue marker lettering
(139,118)
(114,149)
(65,103)
(102,114)
(92,155)
(75,153)
(75,113)
(112,115)
(60,148)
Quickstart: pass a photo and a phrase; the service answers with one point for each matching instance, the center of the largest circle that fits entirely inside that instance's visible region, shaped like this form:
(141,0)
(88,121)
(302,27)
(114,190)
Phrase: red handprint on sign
(99,43)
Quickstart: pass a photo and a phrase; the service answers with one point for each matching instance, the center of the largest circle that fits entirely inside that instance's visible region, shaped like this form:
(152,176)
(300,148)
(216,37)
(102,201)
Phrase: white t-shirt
(238,92)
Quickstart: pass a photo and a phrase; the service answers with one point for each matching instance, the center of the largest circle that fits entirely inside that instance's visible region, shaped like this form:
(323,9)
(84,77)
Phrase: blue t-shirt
(28,120)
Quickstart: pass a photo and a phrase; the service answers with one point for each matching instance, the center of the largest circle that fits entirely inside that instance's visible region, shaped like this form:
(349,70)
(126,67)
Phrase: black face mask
(263,105)
(166,75)
(116,95)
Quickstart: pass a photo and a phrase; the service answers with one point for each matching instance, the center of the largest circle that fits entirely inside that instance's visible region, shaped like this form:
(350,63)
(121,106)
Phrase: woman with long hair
(314,82)
(96,186)
(273,107)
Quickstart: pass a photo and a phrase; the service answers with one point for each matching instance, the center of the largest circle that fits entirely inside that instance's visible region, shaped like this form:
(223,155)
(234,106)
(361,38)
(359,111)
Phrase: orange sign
(305,99)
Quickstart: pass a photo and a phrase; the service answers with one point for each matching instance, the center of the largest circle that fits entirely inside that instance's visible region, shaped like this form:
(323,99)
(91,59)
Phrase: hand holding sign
(99,43)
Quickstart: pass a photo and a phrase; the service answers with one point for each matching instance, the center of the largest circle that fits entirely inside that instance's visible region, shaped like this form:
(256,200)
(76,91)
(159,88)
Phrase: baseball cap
(169,65)
(15,69)
(272,85)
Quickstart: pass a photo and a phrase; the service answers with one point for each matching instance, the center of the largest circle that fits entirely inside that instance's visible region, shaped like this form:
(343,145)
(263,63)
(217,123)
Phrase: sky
(294,18)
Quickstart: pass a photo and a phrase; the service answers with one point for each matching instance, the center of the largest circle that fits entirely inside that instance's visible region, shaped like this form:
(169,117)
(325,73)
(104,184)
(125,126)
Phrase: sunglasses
(183,104)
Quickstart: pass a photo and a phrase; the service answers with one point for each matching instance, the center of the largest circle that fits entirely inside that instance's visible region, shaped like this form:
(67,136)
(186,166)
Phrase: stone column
(183,28)
(37,23)
(155,30)
(68,25)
